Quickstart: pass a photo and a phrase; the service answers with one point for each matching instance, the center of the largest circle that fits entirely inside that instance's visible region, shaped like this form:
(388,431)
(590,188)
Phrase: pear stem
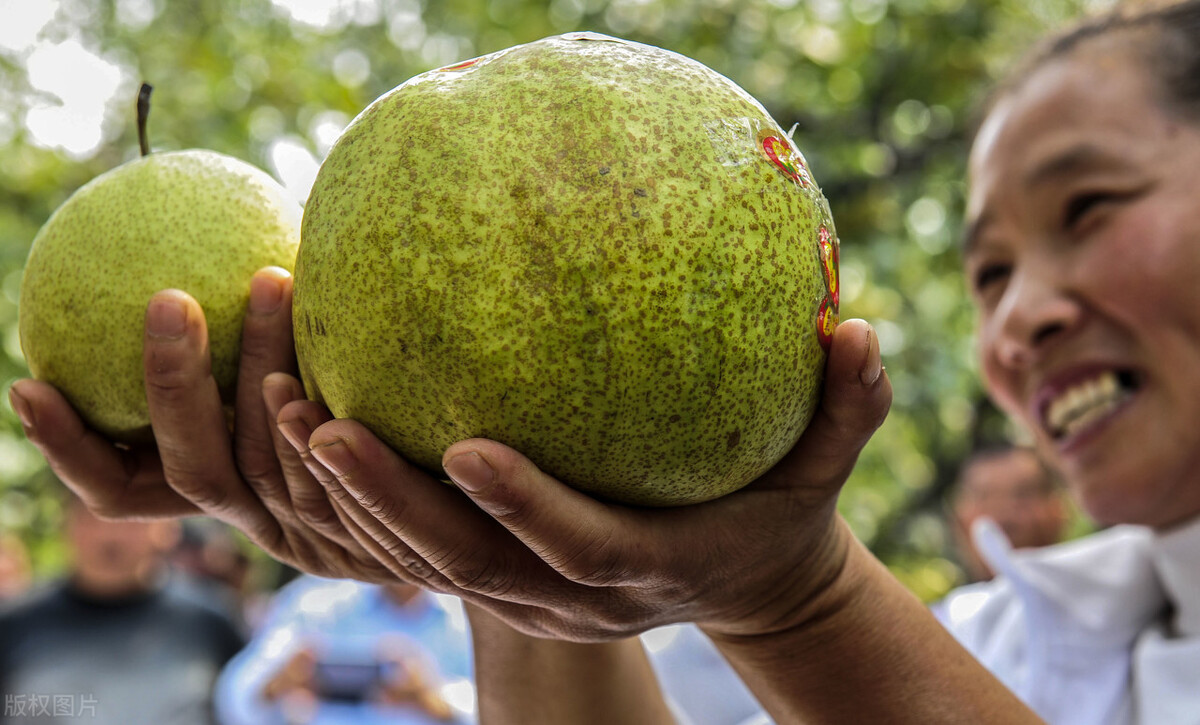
(143,112)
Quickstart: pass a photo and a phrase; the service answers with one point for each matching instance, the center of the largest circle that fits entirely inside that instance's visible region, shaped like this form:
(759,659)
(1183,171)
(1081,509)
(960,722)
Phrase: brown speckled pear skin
(578,247)
(194,220)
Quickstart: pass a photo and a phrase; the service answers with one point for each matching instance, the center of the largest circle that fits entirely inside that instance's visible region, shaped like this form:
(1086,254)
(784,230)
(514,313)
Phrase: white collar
(1176,556)
(1106,583)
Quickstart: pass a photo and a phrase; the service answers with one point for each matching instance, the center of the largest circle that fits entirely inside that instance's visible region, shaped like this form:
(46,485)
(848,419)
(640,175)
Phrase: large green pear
(601,253)
(195,220)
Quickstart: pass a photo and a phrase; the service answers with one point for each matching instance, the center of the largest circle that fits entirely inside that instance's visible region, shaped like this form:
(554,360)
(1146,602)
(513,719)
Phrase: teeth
(1084,403)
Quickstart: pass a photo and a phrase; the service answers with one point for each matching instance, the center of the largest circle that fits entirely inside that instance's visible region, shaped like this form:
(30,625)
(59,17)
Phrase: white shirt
(1100,631)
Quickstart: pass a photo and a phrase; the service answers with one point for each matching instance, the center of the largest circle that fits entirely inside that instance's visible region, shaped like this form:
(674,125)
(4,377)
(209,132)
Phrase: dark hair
(1166,38)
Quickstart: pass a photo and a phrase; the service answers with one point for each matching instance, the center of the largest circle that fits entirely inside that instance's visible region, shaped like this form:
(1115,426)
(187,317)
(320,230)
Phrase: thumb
(854,403)
(574,533)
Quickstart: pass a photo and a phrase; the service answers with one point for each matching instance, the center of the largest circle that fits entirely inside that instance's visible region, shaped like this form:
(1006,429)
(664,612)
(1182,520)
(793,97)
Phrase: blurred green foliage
(880,91)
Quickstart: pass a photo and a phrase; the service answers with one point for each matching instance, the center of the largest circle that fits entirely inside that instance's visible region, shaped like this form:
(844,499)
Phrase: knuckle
(338,496)
(311,564)
(485,576)
(168,371)
(606,628)
(373,572)
(322,476)
(515,512)
(405,564)
(258,356)
(196,488)
(264,477)
(272,540)
(108,511)
(400,553)
(318,515)
(591,561)
(261,473)
(263,480)
(308,555)
(169,385)
(411,563)
(387,510)
(253,346)
(265,346)
(361,564)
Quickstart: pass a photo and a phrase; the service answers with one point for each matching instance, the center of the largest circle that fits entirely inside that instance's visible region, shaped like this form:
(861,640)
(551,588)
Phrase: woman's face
(1083,255)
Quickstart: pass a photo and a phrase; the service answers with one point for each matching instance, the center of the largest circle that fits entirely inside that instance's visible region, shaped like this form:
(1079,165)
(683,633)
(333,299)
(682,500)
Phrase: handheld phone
(347,681)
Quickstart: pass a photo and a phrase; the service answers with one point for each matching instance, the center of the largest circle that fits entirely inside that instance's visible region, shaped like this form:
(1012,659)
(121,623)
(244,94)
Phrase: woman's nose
(1036,310)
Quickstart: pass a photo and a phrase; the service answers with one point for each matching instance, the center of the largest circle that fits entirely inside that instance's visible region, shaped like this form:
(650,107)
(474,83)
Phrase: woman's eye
(989,274)
(1078,207)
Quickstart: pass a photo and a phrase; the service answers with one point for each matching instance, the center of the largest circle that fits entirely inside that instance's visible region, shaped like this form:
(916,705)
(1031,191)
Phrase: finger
(266,348)
(189,420)
(576,535)
(395,558)
(308,498)
(297,420)
(377,563)
(432,529)
(448,545)
(854,403)
(361,482)
(291,432)
(111,482)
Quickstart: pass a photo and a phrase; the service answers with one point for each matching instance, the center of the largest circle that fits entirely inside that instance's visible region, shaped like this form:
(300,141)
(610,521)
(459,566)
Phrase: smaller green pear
(194,220)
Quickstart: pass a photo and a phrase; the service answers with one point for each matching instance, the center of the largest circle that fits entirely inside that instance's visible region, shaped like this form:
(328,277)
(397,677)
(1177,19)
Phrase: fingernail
(296,433)
(166,317)
(469,471)
(21,407)
(335,455)
(873,367)
(265,295)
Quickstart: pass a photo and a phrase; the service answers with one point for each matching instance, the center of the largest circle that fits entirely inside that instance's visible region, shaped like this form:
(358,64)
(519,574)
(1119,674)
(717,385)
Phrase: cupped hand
(552,561)
(252,479)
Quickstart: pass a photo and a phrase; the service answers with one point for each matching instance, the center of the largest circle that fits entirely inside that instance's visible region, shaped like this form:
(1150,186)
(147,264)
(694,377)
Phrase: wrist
(865,649)
(819,586)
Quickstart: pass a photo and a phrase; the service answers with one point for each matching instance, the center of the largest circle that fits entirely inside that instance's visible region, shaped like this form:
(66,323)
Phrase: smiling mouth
(1088,401)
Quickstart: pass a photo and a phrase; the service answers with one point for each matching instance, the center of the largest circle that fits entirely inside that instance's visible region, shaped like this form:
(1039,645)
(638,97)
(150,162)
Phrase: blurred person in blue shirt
(342,651)
(699,685)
